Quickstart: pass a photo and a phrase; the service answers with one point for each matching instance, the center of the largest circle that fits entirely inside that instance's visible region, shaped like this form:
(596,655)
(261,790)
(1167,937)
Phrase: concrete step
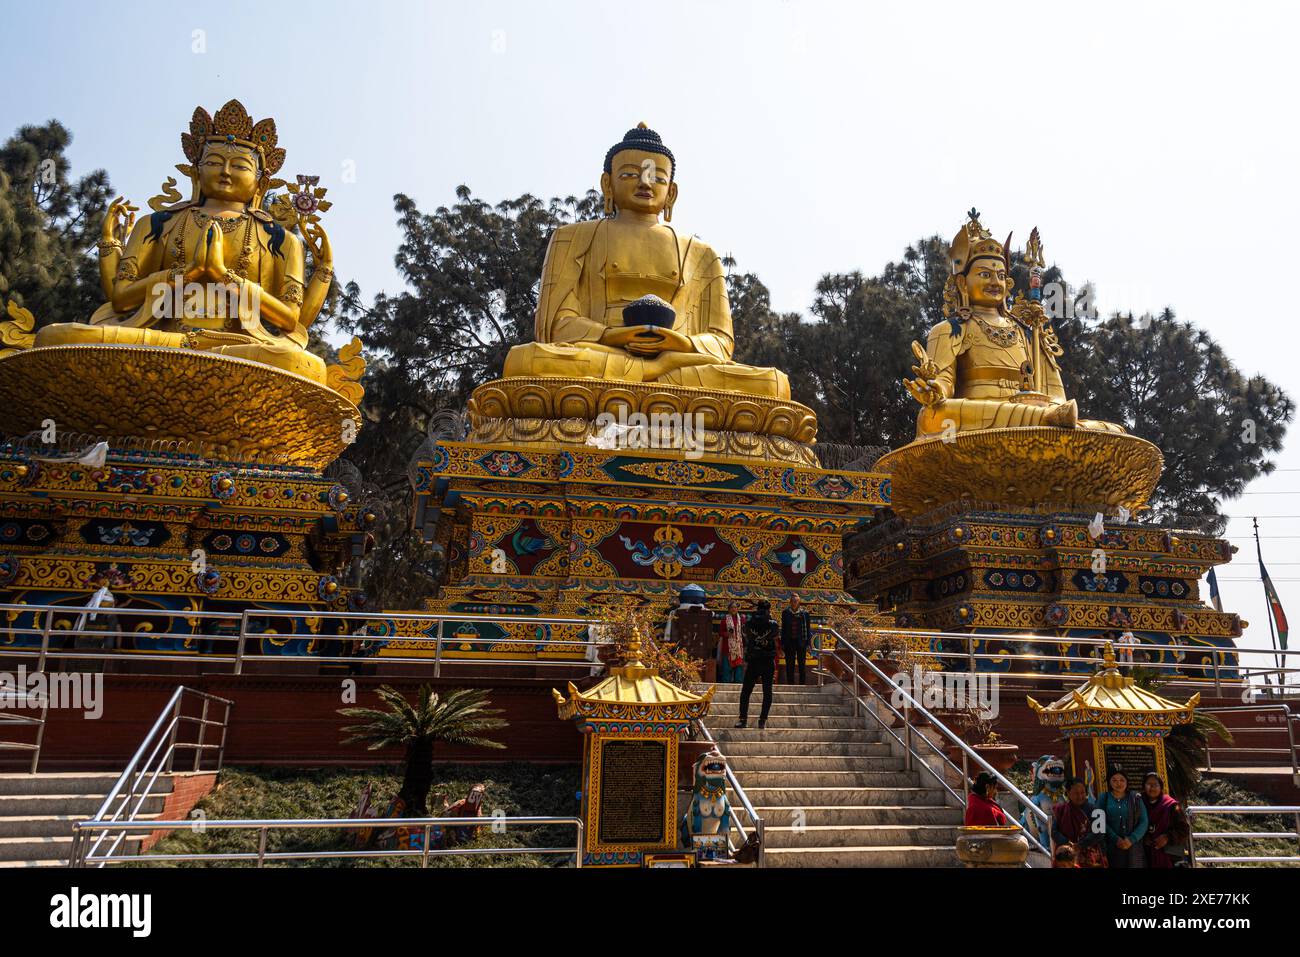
(69,782)
(829,709)
(910,855)
(801,780)
(808,797)
(741,749)
(746,764)
(861,814)
(729,735)
(788,722)
(872,835)
(83,805)
(45,825)
(56,848)
(51,862)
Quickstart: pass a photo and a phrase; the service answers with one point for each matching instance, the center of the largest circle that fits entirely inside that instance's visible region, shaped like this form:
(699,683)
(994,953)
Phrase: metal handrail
(22,720)
(1193,811)
(150,763)
(81,830)
(911,754)
(1288,719)
(755,819)
(244,625)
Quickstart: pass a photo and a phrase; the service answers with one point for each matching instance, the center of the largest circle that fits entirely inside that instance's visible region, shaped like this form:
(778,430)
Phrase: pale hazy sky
(1155,145)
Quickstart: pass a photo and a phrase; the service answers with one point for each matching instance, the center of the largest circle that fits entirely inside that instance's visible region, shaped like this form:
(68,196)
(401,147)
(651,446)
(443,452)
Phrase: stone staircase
(37,811)
(830,792)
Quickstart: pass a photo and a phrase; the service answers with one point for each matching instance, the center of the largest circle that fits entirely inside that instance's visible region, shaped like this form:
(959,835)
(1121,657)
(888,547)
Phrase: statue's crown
(232,124)
(974,242)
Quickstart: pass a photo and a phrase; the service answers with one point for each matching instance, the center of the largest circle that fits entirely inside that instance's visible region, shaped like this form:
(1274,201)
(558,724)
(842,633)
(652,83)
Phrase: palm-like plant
(459,717)
(1186,744)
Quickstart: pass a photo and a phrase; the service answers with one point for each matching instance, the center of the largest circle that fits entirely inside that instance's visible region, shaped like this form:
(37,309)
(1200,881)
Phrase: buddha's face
(228,172)
(640,182)
(986,283)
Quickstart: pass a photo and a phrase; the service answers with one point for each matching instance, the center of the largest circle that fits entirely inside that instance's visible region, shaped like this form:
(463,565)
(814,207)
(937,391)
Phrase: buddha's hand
(647,341)
(318,243)
(217,270)
(197,268)
(923,388)
(118,221)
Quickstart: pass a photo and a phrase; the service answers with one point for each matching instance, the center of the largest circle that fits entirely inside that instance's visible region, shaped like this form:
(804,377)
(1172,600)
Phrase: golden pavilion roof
(1111,697)
(633,690)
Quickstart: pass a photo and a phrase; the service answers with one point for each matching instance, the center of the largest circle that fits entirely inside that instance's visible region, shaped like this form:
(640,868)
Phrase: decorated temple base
(569,532)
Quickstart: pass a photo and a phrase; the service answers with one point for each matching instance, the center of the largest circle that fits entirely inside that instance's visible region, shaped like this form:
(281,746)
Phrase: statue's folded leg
(288,358)
(590,360)
(80,333)
(732,377)
(966,415)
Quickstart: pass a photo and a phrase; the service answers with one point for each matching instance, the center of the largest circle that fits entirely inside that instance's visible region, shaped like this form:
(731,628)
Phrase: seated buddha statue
(990,365)
(216,272)
(595,269)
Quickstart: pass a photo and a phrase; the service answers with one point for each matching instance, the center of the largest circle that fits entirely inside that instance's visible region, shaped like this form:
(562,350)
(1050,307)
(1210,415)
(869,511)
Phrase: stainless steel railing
(1197,860)
(756,821)
(22,700)
(83,830)
(1289,722)
(156,756)
(861,668)
(228,644)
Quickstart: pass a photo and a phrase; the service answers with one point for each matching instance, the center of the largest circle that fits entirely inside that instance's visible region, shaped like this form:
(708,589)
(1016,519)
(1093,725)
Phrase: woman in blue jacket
(1126,822)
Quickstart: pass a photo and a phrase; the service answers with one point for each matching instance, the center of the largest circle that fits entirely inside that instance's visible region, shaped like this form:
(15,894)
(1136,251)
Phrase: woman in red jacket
(982,808)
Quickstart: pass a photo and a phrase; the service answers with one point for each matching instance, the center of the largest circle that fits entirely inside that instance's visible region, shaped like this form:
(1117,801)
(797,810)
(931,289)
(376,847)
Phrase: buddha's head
(981,272)
(639,174)
(230,156)
(229,172)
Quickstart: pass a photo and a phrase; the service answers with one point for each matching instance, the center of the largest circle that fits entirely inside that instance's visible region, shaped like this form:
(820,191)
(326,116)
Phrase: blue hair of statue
(276,232)
(646,140)
(156,223)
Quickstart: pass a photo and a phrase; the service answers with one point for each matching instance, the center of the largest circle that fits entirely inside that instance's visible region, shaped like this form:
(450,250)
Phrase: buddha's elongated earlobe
(672,199)
(607,191)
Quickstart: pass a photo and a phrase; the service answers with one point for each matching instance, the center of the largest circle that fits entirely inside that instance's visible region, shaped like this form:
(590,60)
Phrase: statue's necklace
(999,335)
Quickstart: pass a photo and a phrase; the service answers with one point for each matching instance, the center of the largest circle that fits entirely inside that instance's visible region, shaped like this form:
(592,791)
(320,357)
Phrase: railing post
(970,651)
(203,726)
(424,856)
(1218,688)
(45,640)
(577,855)
(855,686)
(261,845)
(176,727)
(907,733)
(221,748)
(239,647)
(437,650)
(1191,838)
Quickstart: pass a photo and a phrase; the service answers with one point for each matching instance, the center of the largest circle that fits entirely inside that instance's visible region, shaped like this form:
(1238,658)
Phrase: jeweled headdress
(974,242)
(232,124)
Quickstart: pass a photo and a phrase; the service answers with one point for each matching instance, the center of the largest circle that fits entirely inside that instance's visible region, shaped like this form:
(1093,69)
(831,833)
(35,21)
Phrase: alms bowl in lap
(1063,468)
(228,407)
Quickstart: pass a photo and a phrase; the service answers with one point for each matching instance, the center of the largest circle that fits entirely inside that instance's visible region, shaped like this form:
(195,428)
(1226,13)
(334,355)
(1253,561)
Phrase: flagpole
(1268,604)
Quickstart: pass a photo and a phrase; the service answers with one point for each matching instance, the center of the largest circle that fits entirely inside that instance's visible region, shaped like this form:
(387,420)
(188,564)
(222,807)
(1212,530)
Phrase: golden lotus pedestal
(558,412)
(213,405)
(210,498)
(1074,469)
(997,535)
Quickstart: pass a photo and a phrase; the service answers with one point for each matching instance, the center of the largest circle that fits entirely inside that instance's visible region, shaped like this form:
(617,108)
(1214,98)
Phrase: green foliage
(49,226)
(517,788)
(459,717)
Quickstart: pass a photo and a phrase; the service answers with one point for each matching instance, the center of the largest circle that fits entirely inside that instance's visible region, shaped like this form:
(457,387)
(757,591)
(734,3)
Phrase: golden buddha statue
(990,365)
(215,272)
(595,269)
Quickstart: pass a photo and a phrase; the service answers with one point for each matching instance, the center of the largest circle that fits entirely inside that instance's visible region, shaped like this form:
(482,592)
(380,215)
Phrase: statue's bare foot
(667,362)
(1064,416)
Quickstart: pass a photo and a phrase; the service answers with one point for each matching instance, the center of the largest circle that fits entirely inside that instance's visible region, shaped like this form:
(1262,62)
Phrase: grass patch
(517,788)
(1212,791)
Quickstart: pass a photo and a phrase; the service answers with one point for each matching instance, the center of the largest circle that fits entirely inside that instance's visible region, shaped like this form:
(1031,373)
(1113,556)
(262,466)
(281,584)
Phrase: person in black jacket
(761,632)
(796,637)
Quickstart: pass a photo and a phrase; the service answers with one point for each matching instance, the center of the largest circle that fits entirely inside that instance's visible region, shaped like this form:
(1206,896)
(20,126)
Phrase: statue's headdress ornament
(974,242)
(232,124)
(645,139)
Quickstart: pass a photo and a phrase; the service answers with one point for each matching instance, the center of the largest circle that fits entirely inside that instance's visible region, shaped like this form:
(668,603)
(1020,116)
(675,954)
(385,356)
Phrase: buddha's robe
(254,248)
(593,269)
(979,376)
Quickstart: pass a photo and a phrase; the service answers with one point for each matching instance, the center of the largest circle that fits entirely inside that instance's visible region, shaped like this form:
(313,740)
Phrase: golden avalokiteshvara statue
(990,365)
(594,270)
(221,240)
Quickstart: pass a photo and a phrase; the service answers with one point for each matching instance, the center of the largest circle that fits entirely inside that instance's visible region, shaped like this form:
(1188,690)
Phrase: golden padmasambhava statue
(990,365)
(222,240)
(595,269)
